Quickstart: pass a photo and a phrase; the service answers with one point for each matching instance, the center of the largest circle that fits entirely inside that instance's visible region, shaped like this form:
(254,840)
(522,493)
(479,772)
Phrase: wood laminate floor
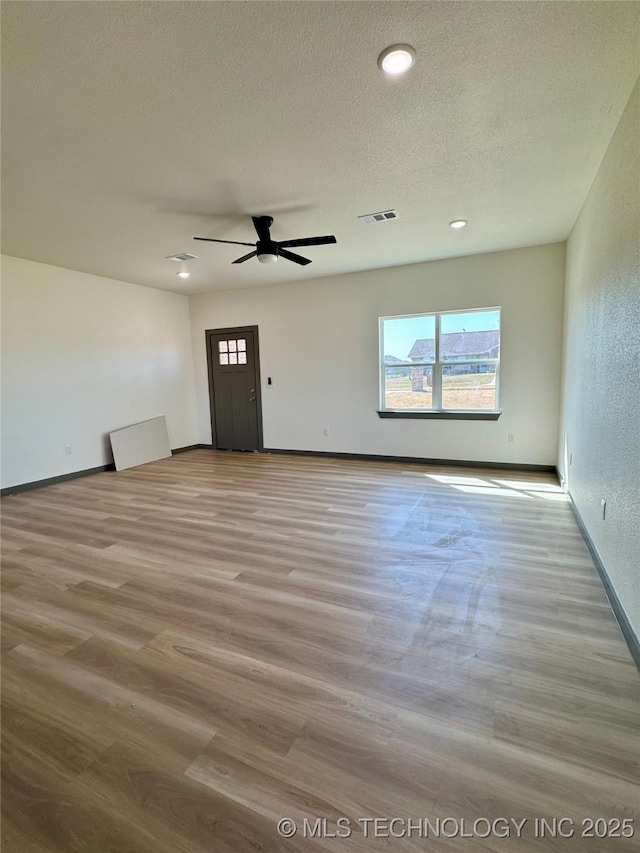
(200,647)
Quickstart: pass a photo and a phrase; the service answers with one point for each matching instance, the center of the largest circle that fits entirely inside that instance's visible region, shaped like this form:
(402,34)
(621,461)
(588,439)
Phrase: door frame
(234,330)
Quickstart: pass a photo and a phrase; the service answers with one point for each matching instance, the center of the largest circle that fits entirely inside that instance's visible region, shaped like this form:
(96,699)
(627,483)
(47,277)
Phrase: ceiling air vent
(382,216)
(183,256)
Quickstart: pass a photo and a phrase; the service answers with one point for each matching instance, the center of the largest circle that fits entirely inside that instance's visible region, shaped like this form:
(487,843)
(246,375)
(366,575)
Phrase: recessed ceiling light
(184,274)
(458,223)
(397,59)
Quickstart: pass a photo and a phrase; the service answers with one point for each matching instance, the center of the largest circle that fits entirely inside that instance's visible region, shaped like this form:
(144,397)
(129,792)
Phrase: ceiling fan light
(267,258)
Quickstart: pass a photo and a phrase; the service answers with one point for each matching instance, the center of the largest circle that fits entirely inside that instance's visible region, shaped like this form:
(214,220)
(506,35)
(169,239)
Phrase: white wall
(83,355)
(600,425)
(319,342)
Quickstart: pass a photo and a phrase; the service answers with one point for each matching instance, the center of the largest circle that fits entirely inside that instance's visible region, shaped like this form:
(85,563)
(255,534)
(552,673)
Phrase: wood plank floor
(197,648)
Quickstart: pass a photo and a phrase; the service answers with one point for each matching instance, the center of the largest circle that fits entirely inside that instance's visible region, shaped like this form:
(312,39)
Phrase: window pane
(241,345)
(470,335)
(407,339)
(233,358)
(242,358)
(408,387)
(232,346)
(222,346)
(224,358)
(469,386)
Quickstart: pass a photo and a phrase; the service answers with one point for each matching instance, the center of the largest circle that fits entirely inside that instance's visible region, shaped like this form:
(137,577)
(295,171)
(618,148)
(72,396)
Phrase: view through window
(440,362)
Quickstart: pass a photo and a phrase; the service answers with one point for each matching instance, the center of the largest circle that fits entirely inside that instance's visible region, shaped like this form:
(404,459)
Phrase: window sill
(443,416)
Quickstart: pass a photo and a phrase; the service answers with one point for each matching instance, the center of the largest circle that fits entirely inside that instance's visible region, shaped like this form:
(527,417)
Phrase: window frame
(437,410)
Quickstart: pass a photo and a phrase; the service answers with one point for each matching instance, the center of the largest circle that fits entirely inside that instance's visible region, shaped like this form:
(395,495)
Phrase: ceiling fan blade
(213,240)
(244,258)
(308,241)
(291,256)
(262,225)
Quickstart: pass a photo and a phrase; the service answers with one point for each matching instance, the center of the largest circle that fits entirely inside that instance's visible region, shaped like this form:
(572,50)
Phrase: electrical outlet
(511,437)
(325,432)
(67,449)
(603,507)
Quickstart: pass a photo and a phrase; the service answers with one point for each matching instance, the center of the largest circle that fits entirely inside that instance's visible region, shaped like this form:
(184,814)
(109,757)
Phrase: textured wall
(600,428)
(82,356)
(319,342)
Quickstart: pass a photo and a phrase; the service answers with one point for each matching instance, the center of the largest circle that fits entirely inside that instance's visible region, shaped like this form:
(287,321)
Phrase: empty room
(320,426)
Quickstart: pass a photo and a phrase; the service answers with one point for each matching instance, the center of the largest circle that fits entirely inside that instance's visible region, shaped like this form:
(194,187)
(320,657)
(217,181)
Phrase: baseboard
(51,481)
(630,636)
(372,457)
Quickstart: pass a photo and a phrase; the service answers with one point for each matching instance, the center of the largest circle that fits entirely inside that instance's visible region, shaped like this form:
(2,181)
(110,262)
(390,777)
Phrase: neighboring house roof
(391,359)
(423,349)
(459,343)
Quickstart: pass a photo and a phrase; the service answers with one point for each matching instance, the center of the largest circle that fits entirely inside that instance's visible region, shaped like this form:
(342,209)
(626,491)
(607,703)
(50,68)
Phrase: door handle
(252,399)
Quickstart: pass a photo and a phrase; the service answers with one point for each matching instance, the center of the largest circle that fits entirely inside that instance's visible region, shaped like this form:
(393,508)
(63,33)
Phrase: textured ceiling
(130,127)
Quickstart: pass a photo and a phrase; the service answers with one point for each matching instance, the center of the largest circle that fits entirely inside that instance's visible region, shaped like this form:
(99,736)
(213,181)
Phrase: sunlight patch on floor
(529,489)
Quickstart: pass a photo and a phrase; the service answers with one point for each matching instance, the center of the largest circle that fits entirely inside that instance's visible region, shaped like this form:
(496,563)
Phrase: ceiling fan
(267,250)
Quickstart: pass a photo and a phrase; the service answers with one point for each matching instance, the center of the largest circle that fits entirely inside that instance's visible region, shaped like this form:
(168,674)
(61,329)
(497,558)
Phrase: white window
(446,362)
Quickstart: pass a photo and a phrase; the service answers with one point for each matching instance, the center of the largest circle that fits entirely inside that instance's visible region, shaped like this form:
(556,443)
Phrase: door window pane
(407,387)
(469,386)
(407,339)
(241,345)
(470,335)
(233,358)
(232,346)
(224,358)
(222,346)
(242,358)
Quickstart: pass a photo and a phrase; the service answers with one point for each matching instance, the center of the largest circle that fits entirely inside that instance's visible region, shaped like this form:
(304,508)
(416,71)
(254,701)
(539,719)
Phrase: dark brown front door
(234,386)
